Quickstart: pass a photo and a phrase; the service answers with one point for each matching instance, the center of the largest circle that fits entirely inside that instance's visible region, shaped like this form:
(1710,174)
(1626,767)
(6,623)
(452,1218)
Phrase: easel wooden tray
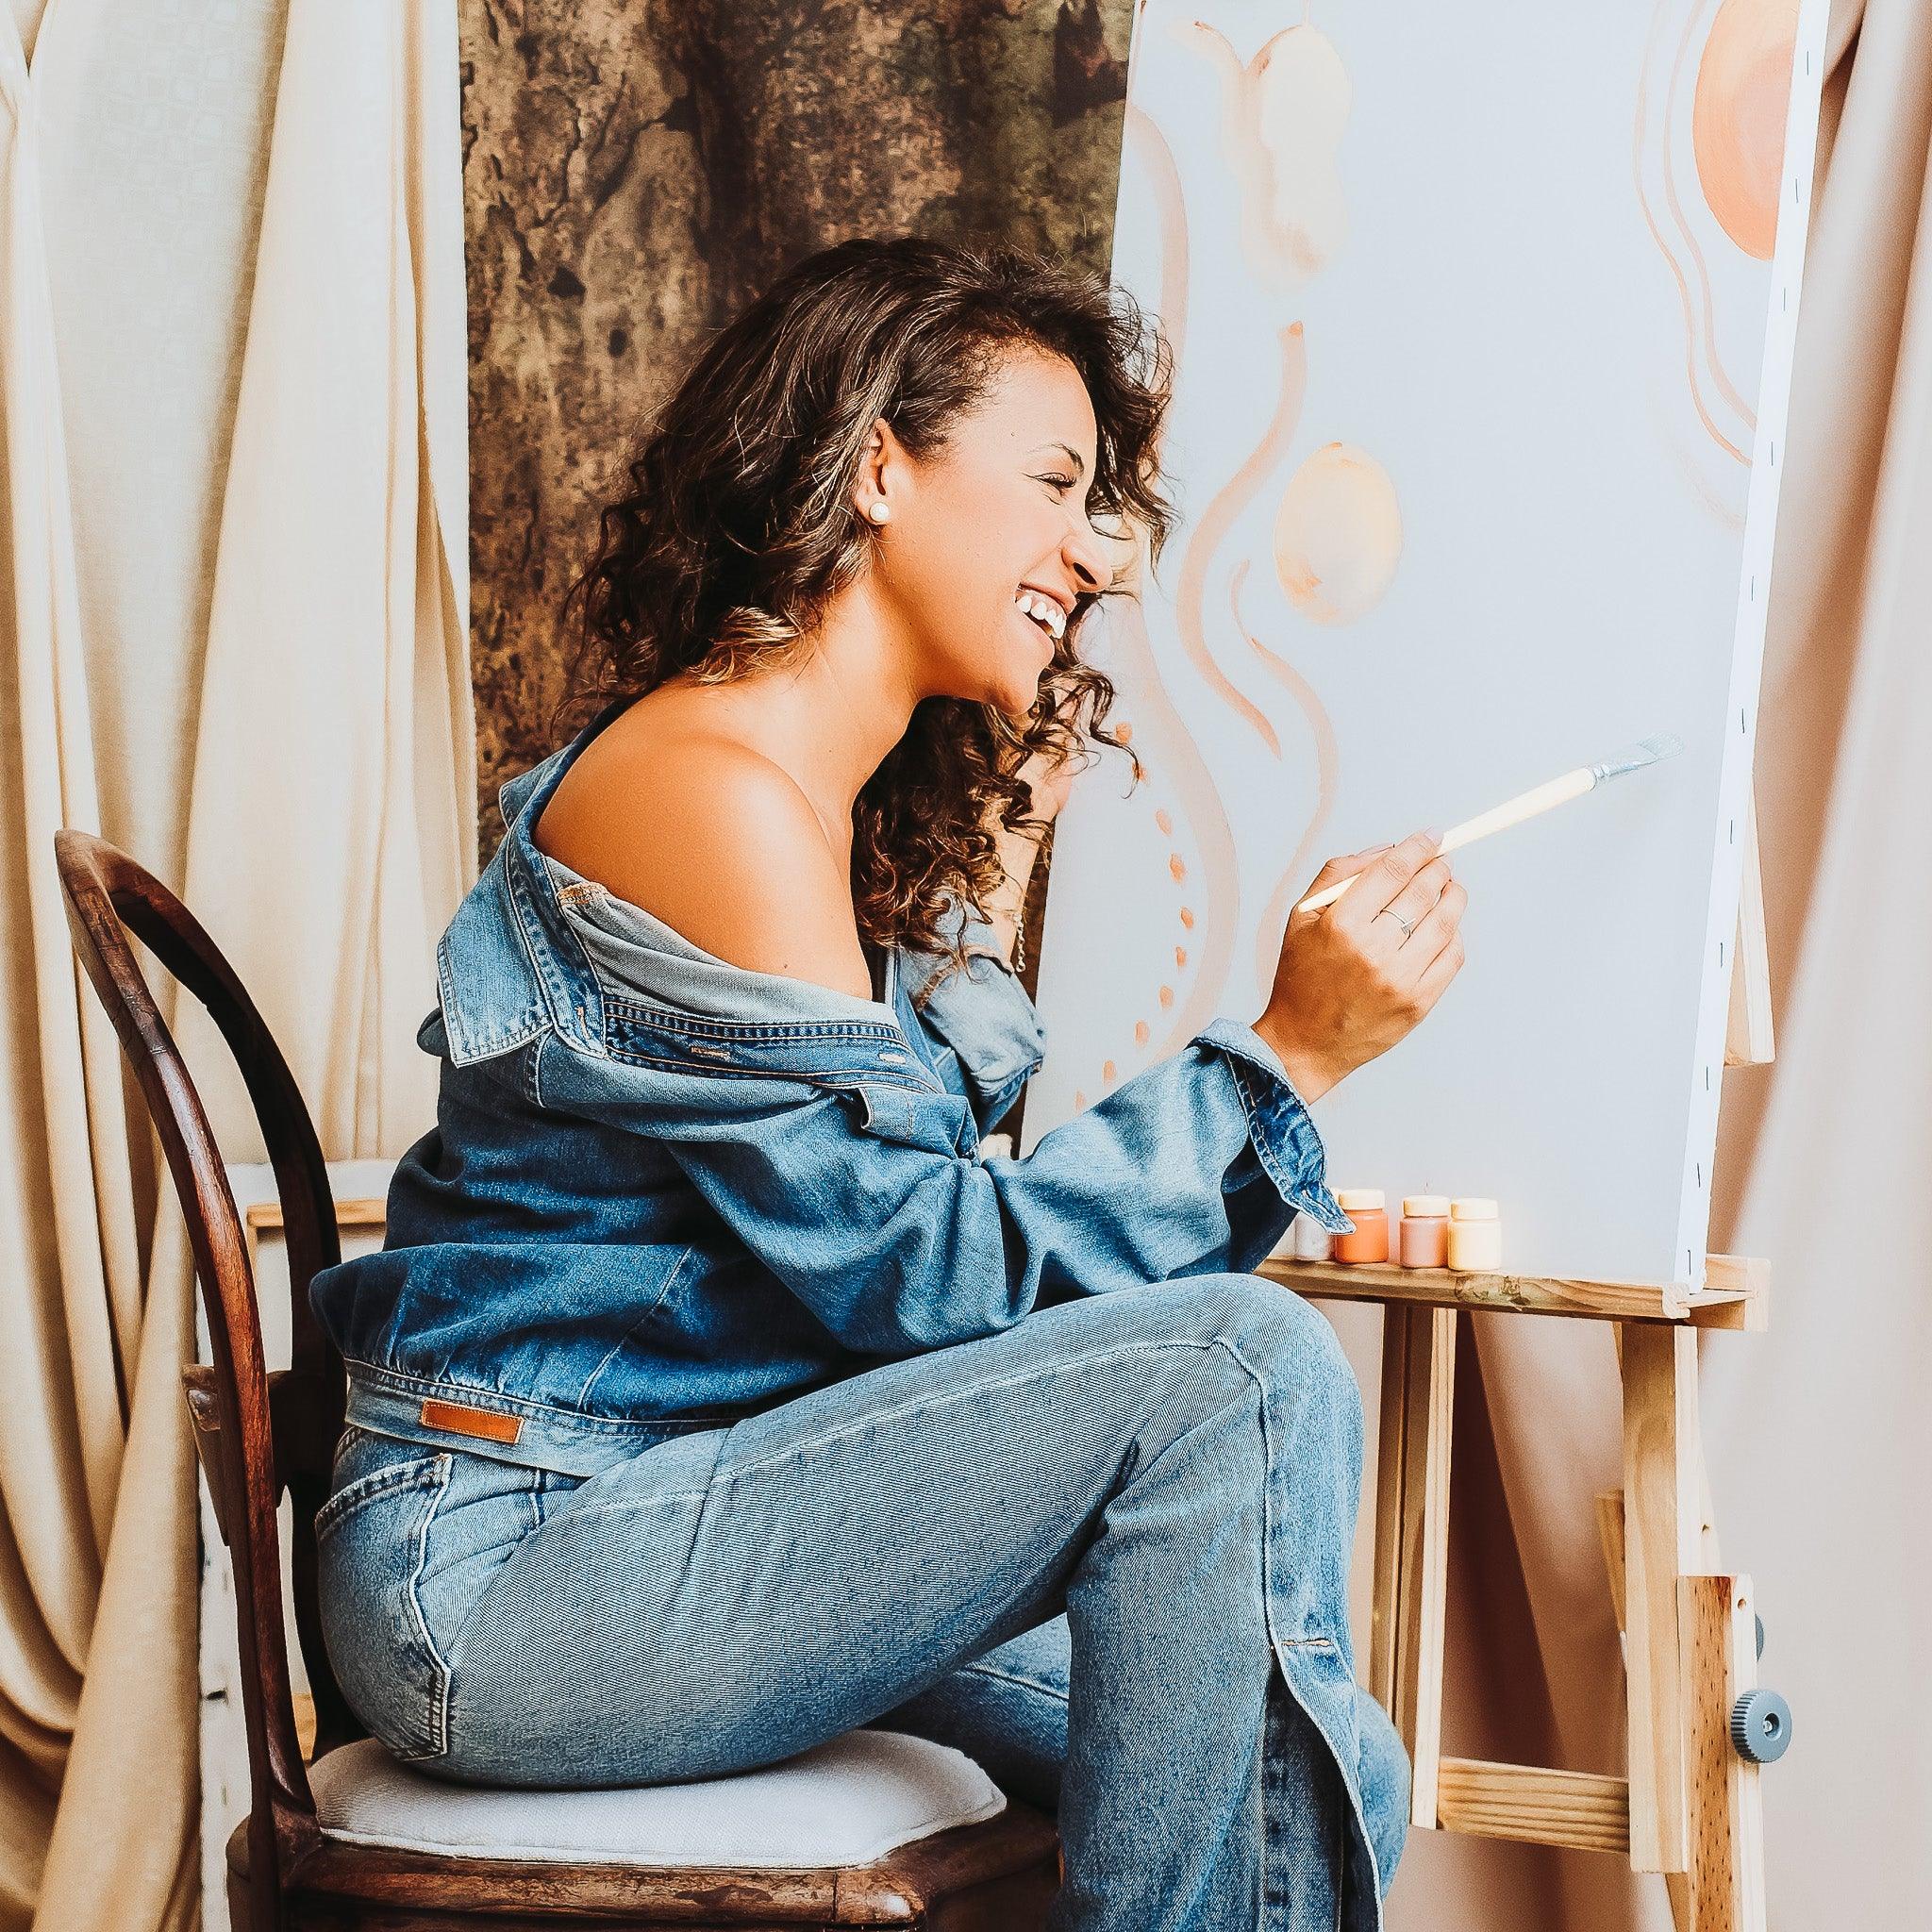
(1735,1294)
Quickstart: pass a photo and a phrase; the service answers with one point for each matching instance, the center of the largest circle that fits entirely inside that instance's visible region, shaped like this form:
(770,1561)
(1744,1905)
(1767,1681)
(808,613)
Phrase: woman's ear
(885,474)
(869,486)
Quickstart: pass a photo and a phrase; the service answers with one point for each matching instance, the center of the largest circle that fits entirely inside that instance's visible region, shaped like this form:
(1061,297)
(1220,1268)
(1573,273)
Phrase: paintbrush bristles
(1645,751)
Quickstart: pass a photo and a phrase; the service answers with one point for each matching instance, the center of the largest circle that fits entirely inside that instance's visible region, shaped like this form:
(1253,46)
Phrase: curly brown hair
(738,528)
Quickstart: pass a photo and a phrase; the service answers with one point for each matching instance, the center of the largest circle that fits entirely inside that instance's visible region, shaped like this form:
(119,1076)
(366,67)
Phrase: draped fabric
(1819,1432)
(233,640)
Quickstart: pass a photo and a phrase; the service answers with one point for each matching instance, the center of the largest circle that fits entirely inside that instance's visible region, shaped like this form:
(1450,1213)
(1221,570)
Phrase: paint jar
(1424,1238)
(1370,1240)
(1475,1235)
(1312,1241)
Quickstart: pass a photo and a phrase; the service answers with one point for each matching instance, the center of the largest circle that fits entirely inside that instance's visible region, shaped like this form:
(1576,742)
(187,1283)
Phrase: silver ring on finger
(1408,925)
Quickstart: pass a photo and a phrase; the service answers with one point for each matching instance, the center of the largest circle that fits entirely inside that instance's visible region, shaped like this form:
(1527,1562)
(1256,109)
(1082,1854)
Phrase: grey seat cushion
(844,1803)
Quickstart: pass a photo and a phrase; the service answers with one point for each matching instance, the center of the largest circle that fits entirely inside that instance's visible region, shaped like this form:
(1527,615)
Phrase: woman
(719,1390)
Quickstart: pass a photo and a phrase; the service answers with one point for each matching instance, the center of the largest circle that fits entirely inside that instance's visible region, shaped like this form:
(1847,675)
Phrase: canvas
(1483,322)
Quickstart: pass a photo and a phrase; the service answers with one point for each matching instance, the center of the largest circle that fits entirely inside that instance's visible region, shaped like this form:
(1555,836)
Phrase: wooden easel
(1689,1807)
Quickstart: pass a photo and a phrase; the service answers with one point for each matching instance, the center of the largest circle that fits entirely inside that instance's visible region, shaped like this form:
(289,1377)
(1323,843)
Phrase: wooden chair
(292,1862)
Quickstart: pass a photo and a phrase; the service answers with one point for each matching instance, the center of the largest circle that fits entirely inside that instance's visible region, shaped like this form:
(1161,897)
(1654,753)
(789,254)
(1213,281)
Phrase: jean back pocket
(372,1538)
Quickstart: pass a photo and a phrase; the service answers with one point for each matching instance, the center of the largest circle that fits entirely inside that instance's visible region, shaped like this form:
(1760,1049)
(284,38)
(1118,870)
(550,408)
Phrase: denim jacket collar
(510,967)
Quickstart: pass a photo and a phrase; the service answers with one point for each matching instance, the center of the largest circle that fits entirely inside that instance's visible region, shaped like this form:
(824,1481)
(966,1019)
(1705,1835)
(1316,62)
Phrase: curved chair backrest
(257,1434)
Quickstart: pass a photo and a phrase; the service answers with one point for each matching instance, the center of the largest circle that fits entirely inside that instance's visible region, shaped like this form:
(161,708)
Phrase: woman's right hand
(1348,985)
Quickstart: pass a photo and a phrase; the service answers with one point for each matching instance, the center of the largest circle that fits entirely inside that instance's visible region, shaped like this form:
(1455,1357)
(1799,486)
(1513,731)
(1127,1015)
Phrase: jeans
(1065,1549)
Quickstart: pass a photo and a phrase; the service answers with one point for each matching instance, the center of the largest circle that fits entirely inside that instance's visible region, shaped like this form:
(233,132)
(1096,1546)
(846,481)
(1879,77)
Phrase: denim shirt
(664,1192)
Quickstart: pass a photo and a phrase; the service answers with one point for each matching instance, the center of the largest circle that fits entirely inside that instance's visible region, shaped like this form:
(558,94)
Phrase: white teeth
(1046,611)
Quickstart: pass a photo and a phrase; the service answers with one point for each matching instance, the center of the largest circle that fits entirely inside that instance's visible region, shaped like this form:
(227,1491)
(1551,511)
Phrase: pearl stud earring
(879,513)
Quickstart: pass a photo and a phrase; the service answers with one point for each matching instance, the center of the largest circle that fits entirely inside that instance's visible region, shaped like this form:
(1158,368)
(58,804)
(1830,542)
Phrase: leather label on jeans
(462,1420)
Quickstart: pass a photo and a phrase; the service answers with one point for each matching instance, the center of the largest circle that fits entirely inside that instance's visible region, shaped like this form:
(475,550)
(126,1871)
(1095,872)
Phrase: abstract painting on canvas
(1483,322)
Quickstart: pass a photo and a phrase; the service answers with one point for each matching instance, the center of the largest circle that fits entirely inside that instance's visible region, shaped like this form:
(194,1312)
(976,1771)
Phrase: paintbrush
(1570,785)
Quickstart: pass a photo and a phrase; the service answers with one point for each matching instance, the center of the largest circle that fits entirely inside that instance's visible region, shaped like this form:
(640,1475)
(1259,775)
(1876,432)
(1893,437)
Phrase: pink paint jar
(1366,1207)
(1424,1238)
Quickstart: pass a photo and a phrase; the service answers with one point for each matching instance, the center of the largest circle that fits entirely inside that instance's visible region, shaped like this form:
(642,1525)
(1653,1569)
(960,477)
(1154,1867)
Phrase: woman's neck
(830,718)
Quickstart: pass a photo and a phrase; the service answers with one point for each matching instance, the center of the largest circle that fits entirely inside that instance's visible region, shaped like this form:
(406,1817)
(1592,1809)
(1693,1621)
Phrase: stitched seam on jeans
(965,1394)
(1269,1764)
(454,1646)
(1268,1451)
(872,1420)
(1010,1677)
(351,1496)
(587,1510)
(1348,1782)
(1337,1858)
(439,1697)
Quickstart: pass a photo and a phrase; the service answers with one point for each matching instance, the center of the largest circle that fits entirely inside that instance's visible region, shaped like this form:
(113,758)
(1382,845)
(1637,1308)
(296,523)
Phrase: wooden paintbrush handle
(1511,812)
(1498,818)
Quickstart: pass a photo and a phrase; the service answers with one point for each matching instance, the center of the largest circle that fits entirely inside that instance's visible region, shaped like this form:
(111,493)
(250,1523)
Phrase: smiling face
(991,524)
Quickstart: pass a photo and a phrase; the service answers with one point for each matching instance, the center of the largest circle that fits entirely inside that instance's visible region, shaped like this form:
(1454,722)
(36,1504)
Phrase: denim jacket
(664,1192)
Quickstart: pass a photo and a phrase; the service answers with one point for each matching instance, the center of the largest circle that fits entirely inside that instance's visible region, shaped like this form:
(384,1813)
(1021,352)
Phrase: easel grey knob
(1762,1726)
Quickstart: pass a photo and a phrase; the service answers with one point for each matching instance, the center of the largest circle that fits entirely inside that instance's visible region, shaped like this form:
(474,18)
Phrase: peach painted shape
(1738,117)
(1697,307)
(1273,922)
(1218,519)
(1338,535)
(1142,136)
(1672,125)
(1283,117)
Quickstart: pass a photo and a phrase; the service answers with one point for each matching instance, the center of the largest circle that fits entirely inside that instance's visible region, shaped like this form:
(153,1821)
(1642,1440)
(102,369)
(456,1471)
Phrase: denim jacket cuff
(1285,1138)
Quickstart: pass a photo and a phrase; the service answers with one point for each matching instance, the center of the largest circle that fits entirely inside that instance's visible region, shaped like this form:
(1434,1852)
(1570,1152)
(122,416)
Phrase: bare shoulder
(719,843)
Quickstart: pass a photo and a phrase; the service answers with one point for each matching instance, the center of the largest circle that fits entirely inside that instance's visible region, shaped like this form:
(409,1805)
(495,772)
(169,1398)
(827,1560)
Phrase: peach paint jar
(1475,1235)
(1424,1238)
(1370,1242)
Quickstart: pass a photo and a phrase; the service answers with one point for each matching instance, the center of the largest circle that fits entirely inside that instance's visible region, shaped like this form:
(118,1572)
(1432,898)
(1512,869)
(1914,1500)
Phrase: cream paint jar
(1366,1207)
(1312,1241)
(1475,1235)
(1423,1240)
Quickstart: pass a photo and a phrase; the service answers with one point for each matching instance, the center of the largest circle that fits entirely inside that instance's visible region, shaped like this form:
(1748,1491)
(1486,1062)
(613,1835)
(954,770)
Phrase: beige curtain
(233,638)
(1818,1431)
(1821,1433)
